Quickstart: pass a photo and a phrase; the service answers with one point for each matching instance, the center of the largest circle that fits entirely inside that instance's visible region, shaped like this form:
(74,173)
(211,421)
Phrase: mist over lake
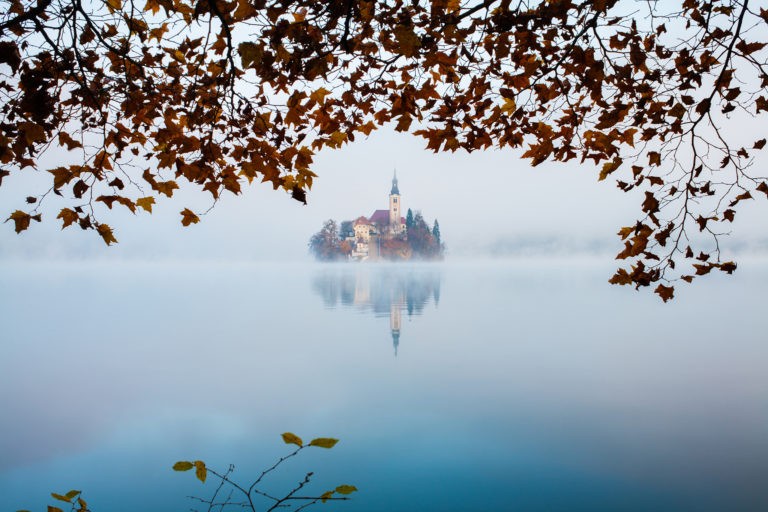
(514,385)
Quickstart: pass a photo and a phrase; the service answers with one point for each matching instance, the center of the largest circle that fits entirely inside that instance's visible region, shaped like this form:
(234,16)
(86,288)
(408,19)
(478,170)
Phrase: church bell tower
(395,208)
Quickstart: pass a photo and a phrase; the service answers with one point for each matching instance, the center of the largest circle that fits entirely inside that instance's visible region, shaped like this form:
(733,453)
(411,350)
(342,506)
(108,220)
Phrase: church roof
(395,190)
(380,217)
(361,220)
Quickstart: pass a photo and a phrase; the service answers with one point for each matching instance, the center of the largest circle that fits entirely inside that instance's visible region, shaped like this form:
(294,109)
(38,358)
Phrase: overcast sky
(485,202)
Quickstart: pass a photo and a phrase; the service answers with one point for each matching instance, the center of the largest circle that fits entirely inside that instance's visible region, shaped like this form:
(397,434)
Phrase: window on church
(394,199)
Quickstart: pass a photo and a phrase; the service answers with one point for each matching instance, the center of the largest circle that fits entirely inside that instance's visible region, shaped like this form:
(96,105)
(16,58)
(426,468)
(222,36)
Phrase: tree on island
(422,241)
(120,103)
(409,219)
(325,245)
(436,231)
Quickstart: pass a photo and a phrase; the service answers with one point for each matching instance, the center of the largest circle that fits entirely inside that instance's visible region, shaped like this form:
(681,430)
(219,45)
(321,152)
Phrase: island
(385,235)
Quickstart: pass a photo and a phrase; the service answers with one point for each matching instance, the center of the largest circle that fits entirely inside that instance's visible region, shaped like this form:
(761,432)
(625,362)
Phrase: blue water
(494,386)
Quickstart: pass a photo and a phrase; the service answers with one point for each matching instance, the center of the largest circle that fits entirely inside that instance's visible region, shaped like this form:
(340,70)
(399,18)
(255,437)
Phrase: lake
(525,386)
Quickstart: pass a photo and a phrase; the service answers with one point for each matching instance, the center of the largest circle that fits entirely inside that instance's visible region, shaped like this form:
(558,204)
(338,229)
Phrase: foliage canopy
(131,99)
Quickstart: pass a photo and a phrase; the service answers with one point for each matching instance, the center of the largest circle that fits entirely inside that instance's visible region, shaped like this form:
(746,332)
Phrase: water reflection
(383,291)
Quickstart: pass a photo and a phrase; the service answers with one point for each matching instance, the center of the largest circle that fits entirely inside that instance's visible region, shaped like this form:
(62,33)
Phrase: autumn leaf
(9,54)
(250,54)
(22,220)
(609,167)
(188,217)
(183,465)
(201,472)
(665,292)
(61,498)
(407,40)
(509,106)
(290,438)
(346,489)
(146,203)
(324,442)
(319,95)
(68,217)
(106,234)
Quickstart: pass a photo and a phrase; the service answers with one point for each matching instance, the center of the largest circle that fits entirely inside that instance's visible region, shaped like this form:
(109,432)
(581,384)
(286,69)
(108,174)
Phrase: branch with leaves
(230,494)
(247,493)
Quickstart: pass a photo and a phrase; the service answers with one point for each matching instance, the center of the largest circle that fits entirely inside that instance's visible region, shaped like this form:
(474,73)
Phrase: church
(368,233)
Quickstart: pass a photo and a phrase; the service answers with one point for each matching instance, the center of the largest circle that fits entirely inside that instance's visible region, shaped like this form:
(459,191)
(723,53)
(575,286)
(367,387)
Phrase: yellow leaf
(106,233)
(324,442)
(183,465)
(71,494)
(146,203)
(54,509)
(509,106)
(188,217)
(61,498)
(114,5)
(200,471)
(290,438)
(346,489)
(324,497)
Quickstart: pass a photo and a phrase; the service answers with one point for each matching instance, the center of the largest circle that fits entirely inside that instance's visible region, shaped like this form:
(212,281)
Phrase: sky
(490,203)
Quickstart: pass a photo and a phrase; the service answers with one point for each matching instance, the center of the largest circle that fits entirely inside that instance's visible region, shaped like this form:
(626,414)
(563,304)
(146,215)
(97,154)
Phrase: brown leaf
(407,40)
(20,219)
(67,217)
(665,292)
(9,54)
(106,234)
(188,217)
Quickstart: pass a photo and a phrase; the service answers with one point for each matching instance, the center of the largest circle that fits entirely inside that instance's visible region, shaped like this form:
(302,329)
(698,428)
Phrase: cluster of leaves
(340,493)
(221,92)
(73,498)
(250,492)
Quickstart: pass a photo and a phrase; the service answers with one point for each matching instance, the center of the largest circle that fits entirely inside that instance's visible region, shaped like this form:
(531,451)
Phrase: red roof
(380,217)
(361,220)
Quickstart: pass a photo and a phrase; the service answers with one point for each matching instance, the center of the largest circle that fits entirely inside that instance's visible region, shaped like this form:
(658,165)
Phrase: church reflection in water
(383,291)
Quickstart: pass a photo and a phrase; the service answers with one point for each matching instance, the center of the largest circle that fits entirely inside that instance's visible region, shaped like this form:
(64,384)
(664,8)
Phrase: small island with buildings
(385,235)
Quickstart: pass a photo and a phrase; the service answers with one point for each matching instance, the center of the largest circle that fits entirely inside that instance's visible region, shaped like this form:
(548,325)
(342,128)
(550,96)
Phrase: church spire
(395,190)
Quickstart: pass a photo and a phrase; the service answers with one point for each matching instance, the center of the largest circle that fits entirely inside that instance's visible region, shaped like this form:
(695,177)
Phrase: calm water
(518,386)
